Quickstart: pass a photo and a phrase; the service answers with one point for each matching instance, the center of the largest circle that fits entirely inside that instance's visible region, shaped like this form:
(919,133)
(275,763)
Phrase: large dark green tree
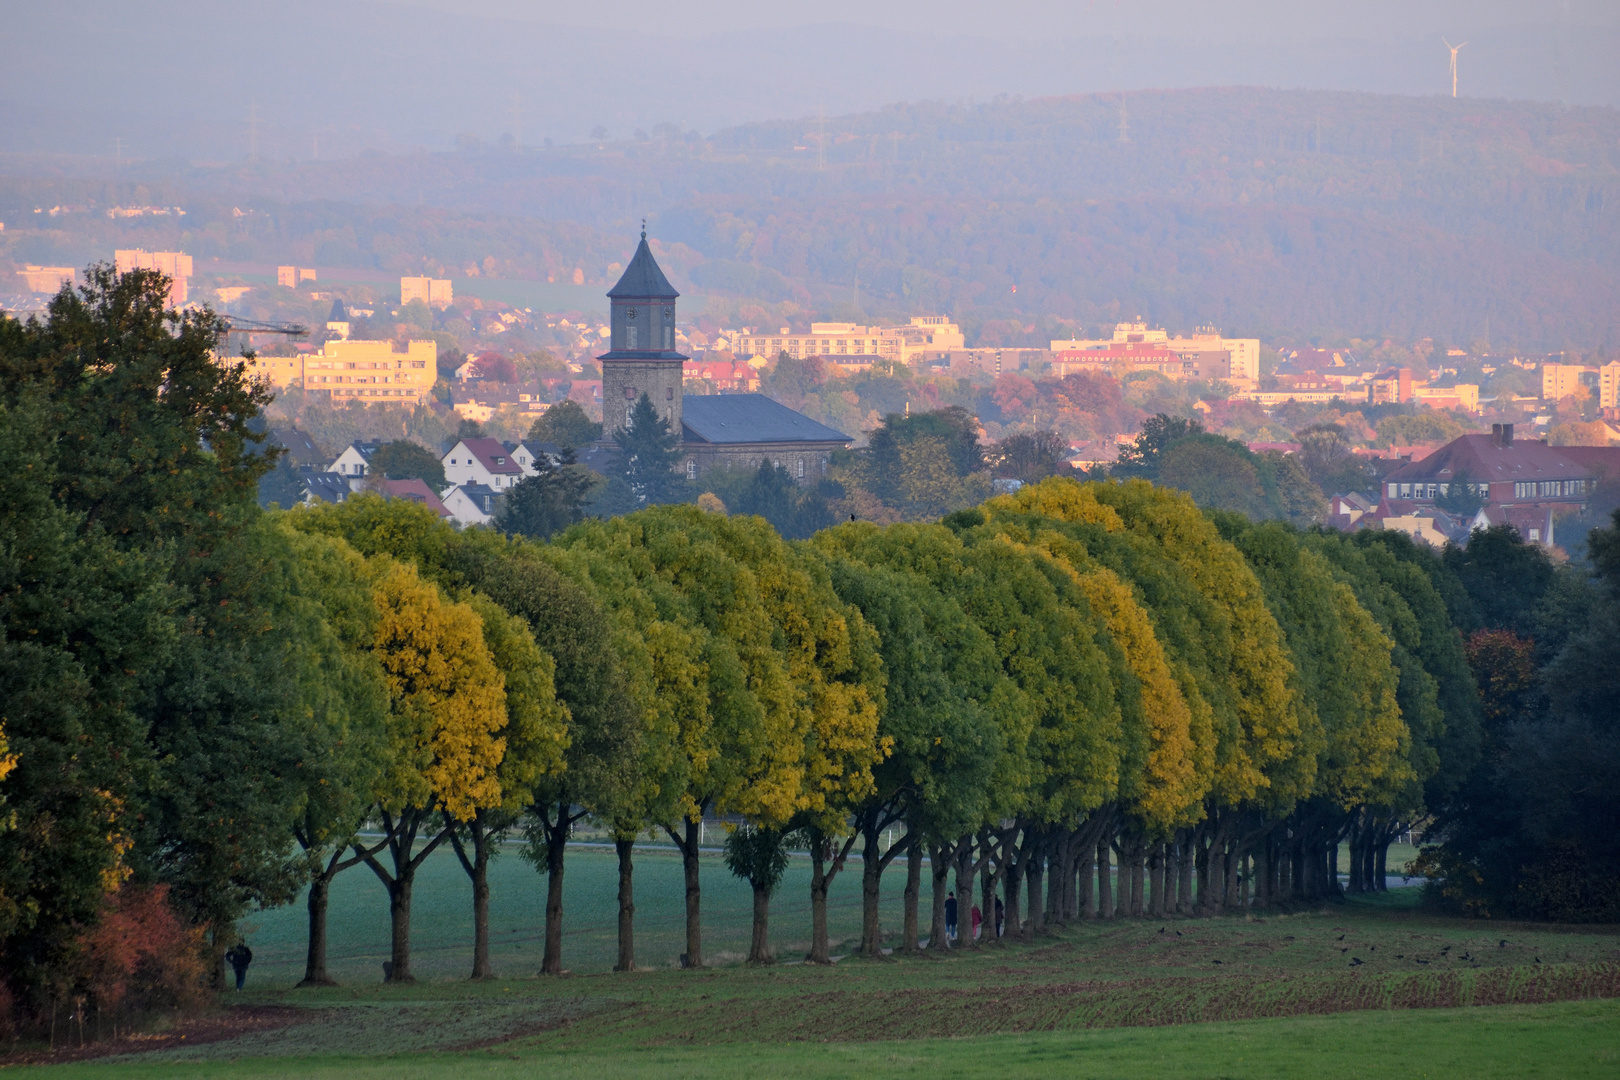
(648,450)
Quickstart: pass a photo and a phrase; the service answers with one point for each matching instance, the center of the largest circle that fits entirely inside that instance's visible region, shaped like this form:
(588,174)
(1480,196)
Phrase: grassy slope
(1573,1040)
(1272,996)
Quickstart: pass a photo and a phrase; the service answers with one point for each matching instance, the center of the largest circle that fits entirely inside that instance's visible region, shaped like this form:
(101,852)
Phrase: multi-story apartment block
(47,279)
(434,292)
(1240,363)
(824,339)
(176,265)
(371,372)
(1559,381)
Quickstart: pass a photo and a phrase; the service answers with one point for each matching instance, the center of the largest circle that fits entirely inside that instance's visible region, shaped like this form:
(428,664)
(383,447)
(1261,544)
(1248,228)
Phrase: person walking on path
(950,915)
(239,956)
(1001,916)
(978,917)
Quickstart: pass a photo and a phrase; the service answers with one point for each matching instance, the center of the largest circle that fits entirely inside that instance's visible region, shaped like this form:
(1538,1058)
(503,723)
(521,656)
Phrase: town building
(720,429)
(1609,385)
(471,504)
(743,430)
(1559,381)
(1523,483)
(321,486)
(927,336)
(371,372)
(337,321)
(434,292)
(298,447)
(482,461)
(414,489)
(826,339)
(355,460)
(175,265)
(1240,365)
(290,277)
(47,279)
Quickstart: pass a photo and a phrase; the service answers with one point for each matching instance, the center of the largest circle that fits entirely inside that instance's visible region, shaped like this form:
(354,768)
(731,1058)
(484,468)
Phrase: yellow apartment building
(370,372)
(1558,381)
(1609,385)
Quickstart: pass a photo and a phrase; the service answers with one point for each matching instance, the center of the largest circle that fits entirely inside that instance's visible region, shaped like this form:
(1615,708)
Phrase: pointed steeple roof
(643,279)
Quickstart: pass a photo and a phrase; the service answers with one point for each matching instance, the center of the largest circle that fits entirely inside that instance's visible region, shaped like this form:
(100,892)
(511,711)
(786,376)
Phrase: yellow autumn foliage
(447,698)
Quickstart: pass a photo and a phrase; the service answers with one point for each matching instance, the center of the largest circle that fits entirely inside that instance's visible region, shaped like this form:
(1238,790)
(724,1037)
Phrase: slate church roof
(749,418)
(643,279)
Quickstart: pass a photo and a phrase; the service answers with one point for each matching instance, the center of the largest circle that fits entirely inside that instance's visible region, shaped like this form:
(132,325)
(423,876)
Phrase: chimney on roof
(1502,434)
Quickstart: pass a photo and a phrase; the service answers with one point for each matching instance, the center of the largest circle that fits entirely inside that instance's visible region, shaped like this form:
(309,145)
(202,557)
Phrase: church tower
(642,357)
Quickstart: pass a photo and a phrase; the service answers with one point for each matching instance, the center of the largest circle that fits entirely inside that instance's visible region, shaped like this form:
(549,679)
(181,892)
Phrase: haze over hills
(155,78)
(1297,213)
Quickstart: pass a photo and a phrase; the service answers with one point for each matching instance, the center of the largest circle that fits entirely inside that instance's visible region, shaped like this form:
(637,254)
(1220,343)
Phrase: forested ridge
(210,707)
(1277,212)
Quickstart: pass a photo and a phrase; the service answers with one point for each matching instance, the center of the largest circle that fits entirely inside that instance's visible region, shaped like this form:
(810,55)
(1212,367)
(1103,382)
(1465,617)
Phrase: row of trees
(218,707)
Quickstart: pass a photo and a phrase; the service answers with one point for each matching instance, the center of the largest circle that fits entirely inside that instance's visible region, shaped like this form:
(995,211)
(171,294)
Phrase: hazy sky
(1010,19)
(183,77)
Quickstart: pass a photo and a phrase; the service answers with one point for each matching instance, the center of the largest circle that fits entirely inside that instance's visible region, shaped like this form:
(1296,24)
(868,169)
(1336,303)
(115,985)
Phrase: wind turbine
(1454,49)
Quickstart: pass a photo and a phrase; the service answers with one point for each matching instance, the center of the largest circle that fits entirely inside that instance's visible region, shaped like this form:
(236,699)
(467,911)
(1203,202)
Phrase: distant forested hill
(1295,213)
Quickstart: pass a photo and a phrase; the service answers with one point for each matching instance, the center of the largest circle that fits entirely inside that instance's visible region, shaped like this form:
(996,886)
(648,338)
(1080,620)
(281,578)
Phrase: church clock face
(630,313)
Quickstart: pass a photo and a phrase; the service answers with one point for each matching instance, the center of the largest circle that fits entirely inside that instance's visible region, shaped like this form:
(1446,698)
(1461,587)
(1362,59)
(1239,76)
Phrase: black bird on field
(1161,929)
(1220,961)
(1341,937)
(1502,944)
(1355,961)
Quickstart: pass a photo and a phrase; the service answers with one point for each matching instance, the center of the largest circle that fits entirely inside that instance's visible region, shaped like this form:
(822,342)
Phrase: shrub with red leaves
(141,957)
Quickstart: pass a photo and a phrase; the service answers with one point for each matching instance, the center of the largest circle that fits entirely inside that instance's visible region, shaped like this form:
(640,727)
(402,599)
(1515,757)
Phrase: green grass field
(1369,987)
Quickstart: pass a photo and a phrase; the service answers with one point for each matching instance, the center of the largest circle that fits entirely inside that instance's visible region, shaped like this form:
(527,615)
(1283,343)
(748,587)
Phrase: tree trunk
(871,891)
(1138,879)
(694,896)
(399,920)
(1357,882)
(987,891)
(1012,880)
(320,895)
(1105,883)
(1086,878)
(1059,879)
(964,893)
(1200,855)
(913,895)
(821,875)
(482,969)
(939,868)
(1216,860)
(556,848)
(1155,904)
(627,906)
(1034,874)
(759,948)
(1186,865)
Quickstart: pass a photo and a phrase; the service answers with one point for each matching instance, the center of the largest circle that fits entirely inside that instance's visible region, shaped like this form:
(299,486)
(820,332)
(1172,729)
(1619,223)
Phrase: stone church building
(736,430)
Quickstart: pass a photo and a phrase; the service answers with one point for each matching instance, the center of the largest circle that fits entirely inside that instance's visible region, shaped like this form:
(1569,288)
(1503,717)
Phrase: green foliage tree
(648,451)
(760,857)
(1030,457)
(552,499)
(1504,579)
(1325,454)
(405,460)
(1141,458)
(565,424)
